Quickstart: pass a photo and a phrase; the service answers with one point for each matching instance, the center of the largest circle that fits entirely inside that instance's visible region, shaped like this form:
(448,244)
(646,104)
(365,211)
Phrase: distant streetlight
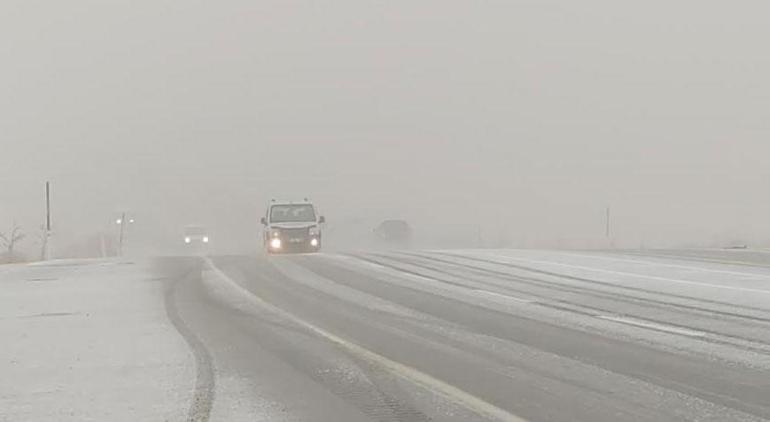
(119,222)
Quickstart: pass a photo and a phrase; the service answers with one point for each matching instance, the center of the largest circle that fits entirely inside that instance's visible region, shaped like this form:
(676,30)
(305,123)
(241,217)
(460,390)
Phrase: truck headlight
(314,242)
(275,243)
(187,239)
(205,239)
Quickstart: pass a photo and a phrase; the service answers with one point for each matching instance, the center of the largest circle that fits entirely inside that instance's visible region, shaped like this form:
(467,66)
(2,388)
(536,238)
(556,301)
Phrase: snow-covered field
(89,340)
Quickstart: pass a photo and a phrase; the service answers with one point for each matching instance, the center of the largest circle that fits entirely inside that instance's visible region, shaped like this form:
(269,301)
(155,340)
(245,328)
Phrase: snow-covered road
(394,336)
(486,335)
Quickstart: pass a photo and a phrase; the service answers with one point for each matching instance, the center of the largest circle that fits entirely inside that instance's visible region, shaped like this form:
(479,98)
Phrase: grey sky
(530,114)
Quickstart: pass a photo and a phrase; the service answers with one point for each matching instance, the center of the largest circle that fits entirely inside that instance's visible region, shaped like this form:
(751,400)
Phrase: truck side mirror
(321,219)
(263,221)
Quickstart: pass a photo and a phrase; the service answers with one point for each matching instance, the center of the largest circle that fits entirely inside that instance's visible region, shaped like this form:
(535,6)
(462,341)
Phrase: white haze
(519,119)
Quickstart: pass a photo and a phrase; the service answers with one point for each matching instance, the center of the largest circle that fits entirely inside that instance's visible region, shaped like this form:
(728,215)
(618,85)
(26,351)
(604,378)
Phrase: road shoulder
(90,340)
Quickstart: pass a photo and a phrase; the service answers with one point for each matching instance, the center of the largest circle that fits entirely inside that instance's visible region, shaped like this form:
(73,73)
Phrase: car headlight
(275,243)
(314,231)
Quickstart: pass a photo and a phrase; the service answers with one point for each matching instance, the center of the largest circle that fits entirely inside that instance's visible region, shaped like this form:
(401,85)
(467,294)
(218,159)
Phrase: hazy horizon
(521,119)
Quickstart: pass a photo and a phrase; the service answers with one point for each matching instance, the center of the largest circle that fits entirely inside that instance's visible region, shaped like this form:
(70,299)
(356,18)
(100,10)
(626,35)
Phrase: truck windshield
(194,231)
(292,214)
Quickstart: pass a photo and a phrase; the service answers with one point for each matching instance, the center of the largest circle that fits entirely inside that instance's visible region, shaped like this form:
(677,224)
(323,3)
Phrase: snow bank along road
(481,335)
(411,336)
(90,340)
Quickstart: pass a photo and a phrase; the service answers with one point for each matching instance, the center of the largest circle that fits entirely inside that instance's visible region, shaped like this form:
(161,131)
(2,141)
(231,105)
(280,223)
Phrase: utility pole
(608,229)
(47,234)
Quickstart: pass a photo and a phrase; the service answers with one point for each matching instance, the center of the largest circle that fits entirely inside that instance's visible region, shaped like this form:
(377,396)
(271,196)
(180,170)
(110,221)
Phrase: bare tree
(13,237)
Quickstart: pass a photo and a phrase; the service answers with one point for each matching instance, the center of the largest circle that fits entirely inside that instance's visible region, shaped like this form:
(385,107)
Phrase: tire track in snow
(203,395)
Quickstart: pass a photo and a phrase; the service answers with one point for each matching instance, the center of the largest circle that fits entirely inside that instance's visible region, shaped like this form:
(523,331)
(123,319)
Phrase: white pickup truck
(292,226)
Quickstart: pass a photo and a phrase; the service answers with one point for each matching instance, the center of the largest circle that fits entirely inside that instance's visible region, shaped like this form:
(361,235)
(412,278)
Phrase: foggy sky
(528,117)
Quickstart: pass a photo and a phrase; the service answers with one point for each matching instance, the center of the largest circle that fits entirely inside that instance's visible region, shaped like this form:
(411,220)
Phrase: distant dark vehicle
(394,233)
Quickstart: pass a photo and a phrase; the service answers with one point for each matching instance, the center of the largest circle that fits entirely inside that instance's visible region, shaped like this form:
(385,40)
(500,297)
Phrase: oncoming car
(291,226)
(195,235)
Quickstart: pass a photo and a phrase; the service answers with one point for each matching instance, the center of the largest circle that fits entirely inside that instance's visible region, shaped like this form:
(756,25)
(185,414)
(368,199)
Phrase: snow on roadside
(89,340)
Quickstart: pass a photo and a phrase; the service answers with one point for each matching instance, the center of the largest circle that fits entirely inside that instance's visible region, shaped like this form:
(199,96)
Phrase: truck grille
(294,233)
